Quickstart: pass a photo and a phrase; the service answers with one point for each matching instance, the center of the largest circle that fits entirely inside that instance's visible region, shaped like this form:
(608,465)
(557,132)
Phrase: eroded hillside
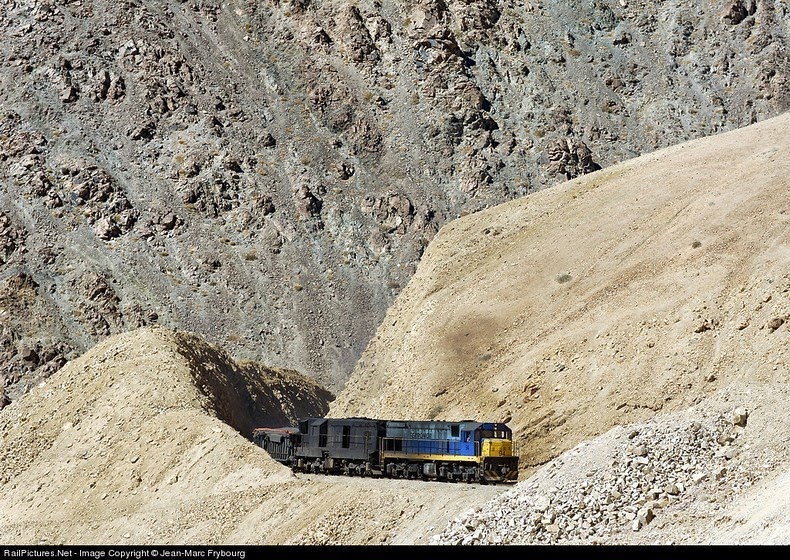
(636,289)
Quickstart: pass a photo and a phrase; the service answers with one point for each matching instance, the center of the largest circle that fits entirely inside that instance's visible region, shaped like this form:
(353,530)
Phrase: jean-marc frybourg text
(124,553)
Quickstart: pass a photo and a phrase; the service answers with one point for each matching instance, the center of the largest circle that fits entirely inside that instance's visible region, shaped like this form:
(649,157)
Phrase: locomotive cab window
(346,437)
(455,430)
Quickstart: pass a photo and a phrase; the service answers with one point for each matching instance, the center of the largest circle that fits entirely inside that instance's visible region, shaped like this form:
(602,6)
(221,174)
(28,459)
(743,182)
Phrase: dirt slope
(636,289)
(715,473)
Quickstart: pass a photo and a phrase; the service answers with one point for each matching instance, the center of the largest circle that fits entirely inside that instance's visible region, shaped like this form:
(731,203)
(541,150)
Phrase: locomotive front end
(497,460)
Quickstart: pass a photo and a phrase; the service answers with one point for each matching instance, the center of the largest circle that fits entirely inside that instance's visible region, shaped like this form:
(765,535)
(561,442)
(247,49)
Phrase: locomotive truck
(465,451)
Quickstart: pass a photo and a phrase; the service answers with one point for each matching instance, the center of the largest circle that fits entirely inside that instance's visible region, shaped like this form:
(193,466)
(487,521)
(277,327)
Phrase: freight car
(466,451)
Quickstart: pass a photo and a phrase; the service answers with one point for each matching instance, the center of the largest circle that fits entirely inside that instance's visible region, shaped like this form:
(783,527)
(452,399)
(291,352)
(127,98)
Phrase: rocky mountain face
(268,174)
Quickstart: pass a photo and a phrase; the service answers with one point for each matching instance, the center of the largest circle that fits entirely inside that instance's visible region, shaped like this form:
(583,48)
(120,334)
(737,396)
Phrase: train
(465,451)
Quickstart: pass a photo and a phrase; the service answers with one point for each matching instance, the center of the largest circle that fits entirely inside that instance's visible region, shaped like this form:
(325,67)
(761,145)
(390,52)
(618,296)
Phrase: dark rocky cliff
(267,174)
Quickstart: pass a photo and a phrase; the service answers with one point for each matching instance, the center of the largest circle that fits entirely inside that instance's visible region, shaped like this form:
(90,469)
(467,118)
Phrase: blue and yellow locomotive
(465,451)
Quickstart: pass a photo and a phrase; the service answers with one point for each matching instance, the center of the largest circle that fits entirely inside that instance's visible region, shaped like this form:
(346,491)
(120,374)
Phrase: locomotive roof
(467,425)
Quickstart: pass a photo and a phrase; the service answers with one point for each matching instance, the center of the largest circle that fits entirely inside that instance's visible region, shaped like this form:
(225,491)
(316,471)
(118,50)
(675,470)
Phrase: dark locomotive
(464,451)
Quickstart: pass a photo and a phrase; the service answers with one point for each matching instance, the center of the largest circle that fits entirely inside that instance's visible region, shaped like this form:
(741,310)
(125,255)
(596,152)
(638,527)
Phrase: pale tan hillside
(636,289)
